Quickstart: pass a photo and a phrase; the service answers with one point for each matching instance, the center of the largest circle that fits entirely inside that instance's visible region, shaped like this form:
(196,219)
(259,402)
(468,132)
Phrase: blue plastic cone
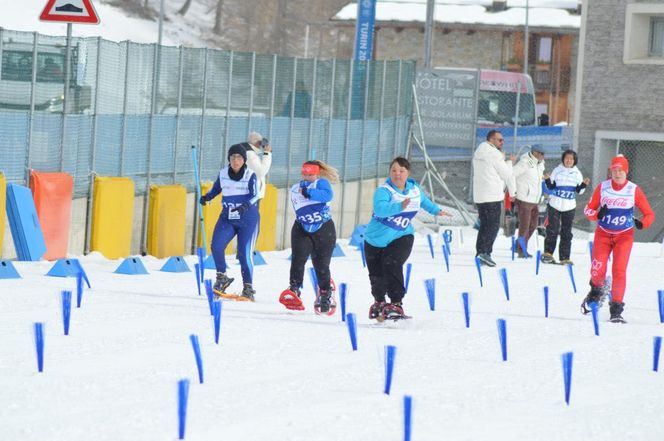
(594,309)
(39,345)
(209,263)
(175,264)
(390,354)
(197,273)
(364,259)
(430,287)
(524,246)
(546,301)
(216,319)
(200,252)
(7,270)
(209,293)
(570,271)
(79,289)
(513,247)
(537,262)
(430,240)
(183,397)
(446,256)
(660,300)
(657,346)
(502,336)
(466,308)
(567,359)
(68,268)
(407,417)
(66,310)
(343,291)
(258,258)
(503,279)
(478,264)
(409,268)
(197,354)
(337,251)
(590,250)
(352,329)
(131,266)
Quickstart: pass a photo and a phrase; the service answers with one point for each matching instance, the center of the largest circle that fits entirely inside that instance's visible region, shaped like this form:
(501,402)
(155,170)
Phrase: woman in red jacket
(612,206)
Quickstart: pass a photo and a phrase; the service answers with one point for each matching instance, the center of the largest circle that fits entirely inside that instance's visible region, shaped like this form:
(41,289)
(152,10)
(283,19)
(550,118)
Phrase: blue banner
(364,29)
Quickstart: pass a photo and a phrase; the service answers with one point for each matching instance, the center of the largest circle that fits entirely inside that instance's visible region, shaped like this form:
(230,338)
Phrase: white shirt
(259,163)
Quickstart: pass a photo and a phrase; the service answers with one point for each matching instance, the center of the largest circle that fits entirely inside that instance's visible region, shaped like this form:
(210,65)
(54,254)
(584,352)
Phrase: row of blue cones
(130,265)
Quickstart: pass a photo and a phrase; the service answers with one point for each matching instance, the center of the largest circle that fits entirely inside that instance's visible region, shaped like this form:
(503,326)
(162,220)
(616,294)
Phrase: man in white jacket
(528,173)
(491,174)
(259,159)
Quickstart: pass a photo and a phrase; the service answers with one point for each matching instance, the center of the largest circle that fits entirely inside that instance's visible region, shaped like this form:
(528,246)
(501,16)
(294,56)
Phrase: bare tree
(183,10)
(218,17)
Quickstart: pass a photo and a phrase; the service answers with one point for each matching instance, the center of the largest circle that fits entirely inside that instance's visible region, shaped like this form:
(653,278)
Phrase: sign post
(68,11)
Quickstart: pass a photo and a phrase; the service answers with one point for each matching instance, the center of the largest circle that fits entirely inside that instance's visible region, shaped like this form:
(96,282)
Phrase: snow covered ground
(283,375)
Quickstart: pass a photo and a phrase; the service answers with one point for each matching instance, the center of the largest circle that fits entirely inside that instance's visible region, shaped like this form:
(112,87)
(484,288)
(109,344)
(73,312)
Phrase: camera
(265,142)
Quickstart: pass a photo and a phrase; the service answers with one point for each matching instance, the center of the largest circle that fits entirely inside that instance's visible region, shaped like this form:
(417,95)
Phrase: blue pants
(246,233)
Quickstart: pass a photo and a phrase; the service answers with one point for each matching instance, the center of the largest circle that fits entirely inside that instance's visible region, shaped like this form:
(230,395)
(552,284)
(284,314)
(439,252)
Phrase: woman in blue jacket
(313,233)
(239,217)
(388,239)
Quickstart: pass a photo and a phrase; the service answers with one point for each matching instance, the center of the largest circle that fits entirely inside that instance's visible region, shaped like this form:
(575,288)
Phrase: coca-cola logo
(616,202)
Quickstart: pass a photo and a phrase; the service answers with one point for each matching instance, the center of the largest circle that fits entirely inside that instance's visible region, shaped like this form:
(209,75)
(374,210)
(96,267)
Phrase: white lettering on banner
(434,84)
(617,202)
(445,101)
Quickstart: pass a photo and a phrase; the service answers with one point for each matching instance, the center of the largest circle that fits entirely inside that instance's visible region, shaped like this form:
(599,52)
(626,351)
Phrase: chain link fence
(136,109)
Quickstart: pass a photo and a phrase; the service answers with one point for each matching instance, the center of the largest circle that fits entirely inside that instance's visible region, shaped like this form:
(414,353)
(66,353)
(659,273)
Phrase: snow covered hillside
(284,375)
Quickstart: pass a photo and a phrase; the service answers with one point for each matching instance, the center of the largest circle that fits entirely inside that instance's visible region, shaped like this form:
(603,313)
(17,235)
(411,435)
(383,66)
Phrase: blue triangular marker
(131,266)
(338,252)
(358,235)
(258,258)
(7,270)
(175,264)
(68,268)
(209,263)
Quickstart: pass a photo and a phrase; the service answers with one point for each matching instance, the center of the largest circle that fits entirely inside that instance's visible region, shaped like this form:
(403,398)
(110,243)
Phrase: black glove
(240,209)
(550,185)
(203,200)
(602,211)
(638,224)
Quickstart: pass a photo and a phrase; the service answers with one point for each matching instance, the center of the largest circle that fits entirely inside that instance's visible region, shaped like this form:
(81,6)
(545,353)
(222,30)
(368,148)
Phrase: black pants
(319,245)
(386,268)
(489,213)
(559,222)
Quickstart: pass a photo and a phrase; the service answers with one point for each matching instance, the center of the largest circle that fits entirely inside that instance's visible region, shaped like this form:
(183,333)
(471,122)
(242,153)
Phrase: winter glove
(638,224)
(550,185)
(303,189)
(602,211)
(203,200)
(240,209)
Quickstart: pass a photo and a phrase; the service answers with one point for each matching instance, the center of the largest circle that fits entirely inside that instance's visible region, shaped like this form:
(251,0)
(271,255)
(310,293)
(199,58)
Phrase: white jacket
(563,197)
(491,173)
(528,176)
(259,163)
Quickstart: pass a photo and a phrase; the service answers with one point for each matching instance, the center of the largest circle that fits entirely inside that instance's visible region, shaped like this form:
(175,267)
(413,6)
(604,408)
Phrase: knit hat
(620,162)
(539,148)
(237,149)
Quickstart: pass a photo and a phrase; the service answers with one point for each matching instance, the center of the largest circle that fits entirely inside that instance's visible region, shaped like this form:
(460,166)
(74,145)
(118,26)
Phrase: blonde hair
(327,171)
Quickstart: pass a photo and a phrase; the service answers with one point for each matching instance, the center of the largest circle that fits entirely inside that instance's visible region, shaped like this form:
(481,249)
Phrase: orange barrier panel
(3,203)
(52,193)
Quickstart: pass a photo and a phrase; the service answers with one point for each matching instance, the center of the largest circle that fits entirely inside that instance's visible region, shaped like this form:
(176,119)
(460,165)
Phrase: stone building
(621,107)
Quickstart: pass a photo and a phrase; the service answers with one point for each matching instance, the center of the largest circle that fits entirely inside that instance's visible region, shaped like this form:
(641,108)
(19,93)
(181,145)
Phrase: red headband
(310,169)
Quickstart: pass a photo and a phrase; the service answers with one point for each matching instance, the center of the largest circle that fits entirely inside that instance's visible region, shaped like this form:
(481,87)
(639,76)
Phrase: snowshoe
(291,299)
(566,262)
(392,311)
(596,295)
(248,293)
(376,310)
(547,258)
(325,303)
(226,296)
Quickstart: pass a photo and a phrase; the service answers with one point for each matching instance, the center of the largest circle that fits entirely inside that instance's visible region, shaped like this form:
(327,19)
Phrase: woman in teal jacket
(388,239)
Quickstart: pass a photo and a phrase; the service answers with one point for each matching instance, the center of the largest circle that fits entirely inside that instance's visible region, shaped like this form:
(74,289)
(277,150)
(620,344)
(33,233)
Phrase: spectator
(491,174)
(528,174)
(302,102)
(50,71)
(259,159)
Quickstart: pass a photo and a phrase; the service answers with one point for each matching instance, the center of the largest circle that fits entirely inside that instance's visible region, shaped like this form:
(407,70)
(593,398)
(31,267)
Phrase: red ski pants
(620,245)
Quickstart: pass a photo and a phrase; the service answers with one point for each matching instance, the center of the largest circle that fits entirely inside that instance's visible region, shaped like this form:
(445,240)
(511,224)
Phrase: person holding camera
(612,206)
(259,159)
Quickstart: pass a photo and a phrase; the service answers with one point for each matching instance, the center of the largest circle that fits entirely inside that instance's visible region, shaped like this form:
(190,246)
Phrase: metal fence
(136,109)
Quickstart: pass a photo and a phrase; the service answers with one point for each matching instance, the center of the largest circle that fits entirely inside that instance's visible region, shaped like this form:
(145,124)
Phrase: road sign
(70,11)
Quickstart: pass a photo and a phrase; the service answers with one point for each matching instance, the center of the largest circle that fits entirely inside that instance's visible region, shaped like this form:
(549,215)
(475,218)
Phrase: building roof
(541,13)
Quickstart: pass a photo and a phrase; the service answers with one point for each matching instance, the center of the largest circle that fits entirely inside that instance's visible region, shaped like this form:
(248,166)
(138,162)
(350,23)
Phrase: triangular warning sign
(70,11)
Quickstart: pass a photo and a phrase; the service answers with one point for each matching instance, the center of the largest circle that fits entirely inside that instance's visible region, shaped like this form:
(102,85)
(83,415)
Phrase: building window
(656,37)
(644,33)
(544,46)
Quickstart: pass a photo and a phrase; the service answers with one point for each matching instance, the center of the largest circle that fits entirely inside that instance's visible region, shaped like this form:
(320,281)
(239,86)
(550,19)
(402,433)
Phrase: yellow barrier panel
(3,204)
(167,220)
(112,216)
(267,237)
